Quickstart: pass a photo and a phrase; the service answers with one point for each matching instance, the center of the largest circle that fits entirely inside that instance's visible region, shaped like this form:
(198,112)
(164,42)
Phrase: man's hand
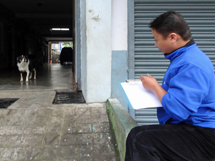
(150,83)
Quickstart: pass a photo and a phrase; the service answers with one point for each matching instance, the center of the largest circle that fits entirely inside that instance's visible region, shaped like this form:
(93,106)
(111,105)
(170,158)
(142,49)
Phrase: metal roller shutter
(200,16)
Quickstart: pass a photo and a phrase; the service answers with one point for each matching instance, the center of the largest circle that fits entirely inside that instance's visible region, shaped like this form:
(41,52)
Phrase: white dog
(26,65)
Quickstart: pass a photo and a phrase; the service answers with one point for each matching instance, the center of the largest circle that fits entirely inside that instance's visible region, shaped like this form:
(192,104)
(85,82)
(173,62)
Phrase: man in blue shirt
(187,119)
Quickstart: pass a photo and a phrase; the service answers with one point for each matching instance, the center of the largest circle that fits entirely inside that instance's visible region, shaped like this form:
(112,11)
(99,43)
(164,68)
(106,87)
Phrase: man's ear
(173,37)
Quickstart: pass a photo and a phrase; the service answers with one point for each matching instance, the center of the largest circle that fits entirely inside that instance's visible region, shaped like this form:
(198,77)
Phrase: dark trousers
(170,142)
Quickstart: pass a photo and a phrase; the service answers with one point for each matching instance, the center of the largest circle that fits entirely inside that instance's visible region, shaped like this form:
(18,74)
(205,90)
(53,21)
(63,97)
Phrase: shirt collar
(179,51)
(191,42)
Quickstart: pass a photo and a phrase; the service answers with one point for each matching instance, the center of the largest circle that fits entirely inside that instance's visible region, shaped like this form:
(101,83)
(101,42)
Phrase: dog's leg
(30,75)
(27,75)
(21,78)
(35,72)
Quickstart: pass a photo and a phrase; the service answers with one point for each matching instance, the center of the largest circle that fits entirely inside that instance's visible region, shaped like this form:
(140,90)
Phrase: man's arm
(150,83)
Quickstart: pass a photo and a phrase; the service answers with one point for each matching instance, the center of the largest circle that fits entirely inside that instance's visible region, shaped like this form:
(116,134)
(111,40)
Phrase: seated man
(187,119)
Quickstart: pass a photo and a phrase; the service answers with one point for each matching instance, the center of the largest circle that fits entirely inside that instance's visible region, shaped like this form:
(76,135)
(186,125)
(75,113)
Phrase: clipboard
(137,96)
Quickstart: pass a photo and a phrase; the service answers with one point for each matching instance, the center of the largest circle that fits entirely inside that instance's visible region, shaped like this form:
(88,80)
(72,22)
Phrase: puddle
(6,102)
(68,98)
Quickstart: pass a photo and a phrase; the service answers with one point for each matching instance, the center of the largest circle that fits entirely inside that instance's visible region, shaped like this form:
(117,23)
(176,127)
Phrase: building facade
(119,44)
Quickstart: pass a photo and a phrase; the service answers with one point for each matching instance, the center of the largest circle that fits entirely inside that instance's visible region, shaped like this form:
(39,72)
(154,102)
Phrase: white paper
(139,97)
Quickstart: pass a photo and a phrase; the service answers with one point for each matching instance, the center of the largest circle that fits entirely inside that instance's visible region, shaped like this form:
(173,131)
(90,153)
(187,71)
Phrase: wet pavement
(33,128)
(49,77)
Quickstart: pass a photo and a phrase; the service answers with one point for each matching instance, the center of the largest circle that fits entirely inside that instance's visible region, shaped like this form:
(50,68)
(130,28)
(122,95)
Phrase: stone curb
(121,123)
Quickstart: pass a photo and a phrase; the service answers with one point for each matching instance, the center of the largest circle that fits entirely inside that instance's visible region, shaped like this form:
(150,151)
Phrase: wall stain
(96,18)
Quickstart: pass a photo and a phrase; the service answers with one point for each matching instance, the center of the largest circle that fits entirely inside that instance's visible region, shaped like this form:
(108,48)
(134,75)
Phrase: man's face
(163,44)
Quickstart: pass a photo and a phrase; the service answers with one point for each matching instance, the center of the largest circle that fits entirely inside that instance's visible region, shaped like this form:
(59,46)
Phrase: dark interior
(26,28)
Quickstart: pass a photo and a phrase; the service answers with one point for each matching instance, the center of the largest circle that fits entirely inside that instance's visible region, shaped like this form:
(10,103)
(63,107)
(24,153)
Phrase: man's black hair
(169,22)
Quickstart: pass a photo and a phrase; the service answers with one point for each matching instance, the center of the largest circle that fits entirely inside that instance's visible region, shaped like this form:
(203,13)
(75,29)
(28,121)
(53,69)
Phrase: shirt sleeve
(187,88)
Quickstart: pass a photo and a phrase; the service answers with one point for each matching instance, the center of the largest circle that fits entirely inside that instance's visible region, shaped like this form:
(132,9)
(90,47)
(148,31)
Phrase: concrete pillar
(98,51)
(119,49)
(119,25)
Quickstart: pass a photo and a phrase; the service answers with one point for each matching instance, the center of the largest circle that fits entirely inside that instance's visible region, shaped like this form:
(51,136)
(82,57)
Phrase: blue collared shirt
(190,85)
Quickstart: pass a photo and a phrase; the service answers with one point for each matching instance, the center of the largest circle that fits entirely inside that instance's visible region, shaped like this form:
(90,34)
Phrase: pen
(132,80)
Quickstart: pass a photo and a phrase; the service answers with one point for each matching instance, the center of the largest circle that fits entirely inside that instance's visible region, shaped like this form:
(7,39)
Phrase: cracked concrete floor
(33,128)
